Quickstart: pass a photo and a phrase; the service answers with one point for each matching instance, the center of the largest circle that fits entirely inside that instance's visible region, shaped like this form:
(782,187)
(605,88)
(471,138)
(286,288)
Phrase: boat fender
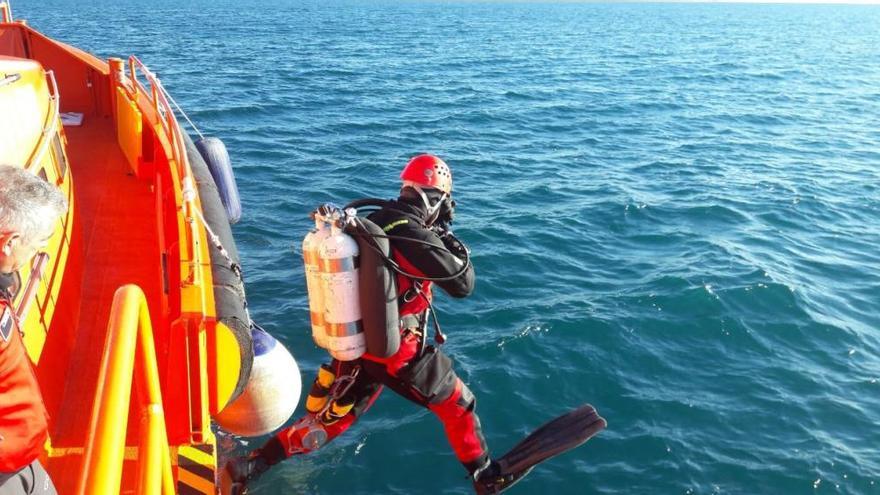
(271,394)
(378,289)
(214,153)
(228,285)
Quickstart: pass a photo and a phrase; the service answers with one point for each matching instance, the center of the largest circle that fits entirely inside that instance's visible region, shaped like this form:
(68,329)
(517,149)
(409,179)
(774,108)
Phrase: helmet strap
(432,210)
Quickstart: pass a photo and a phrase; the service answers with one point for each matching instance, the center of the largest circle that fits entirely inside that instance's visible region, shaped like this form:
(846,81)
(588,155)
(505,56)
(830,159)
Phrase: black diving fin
(556,437)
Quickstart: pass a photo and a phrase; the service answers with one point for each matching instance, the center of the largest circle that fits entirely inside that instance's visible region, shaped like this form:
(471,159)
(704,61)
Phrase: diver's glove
(447,213)
(240,471)
(454,245)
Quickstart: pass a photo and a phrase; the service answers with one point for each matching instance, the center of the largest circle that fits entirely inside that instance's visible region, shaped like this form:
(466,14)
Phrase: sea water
(673,210)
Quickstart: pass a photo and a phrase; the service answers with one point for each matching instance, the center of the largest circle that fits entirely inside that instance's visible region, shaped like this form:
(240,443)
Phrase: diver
(427,253)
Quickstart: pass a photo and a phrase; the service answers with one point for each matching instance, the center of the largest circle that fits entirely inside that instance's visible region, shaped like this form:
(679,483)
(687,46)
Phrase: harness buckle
(410,295)
(413,292)
(343,384)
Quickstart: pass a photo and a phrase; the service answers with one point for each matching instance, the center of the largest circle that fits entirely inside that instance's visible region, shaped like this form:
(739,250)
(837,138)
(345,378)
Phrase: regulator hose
(397,268)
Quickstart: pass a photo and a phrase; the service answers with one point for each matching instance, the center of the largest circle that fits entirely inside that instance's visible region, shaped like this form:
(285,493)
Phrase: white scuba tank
(340,294)
(312,261)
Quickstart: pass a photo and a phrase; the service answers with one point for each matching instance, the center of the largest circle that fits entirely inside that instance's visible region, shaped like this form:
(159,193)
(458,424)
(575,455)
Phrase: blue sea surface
(674,212)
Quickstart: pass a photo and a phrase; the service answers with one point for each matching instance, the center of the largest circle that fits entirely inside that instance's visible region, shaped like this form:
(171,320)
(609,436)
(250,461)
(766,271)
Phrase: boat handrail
(50,126)
(189,250)
(5,12)
(158,98)
(156,94)
(129,355)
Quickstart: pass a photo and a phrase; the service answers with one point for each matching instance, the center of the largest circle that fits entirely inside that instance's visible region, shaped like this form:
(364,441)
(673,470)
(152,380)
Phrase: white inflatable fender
(271,394)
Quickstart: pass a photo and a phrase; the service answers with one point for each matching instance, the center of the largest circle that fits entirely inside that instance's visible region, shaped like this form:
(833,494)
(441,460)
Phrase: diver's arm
(438,259)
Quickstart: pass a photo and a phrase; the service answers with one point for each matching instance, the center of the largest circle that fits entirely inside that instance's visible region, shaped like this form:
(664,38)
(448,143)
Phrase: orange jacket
(23,417)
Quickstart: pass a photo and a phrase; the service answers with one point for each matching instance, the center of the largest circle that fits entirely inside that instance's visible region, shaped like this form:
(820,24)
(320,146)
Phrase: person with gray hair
(29,211)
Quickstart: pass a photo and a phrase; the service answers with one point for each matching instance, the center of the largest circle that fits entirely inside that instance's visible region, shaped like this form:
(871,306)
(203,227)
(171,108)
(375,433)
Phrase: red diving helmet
(428,171)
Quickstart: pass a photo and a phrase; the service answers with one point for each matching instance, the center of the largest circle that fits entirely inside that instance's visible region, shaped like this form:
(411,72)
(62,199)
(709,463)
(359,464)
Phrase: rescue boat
(135,315)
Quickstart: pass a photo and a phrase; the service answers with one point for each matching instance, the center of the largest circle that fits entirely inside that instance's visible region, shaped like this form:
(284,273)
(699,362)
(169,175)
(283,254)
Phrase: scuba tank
(338,256)
(310,246)
(353,309)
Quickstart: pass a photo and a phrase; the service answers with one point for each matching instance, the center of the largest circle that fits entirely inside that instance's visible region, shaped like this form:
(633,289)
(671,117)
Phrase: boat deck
(120,246)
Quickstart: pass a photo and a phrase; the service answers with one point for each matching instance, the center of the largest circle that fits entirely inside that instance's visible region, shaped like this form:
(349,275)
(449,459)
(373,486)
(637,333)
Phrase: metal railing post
(5,12)
(129,341)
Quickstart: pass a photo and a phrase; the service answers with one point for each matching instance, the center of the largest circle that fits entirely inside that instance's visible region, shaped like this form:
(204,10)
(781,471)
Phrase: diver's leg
(334,417)
(427,378)
(458,414)
(325,421)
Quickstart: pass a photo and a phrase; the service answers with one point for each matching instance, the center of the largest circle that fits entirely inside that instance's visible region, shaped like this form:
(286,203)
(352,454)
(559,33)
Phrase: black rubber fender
(229,295)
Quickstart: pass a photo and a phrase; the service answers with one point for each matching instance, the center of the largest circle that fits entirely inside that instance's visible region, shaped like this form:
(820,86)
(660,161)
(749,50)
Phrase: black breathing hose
(396,267)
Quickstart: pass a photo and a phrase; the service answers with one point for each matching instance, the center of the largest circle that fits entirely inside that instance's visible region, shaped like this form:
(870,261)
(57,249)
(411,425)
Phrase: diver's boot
(490,479)
(241,471)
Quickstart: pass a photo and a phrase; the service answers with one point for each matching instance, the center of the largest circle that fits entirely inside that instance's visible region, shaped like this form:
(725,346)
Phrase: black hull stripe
(184,489)
(206,448)
(202,471)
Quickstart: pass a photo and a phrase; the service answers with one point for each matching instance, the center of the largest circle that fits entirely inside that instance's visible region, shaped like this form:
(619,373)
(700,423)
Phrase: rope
(173,102)
(235,267)
(189,194)
(215,239)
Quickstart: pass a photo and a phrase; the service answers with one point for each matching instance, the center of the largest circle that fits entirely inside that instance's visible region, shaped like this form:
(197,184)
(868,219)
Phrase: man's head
(29,209)
(428,178)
